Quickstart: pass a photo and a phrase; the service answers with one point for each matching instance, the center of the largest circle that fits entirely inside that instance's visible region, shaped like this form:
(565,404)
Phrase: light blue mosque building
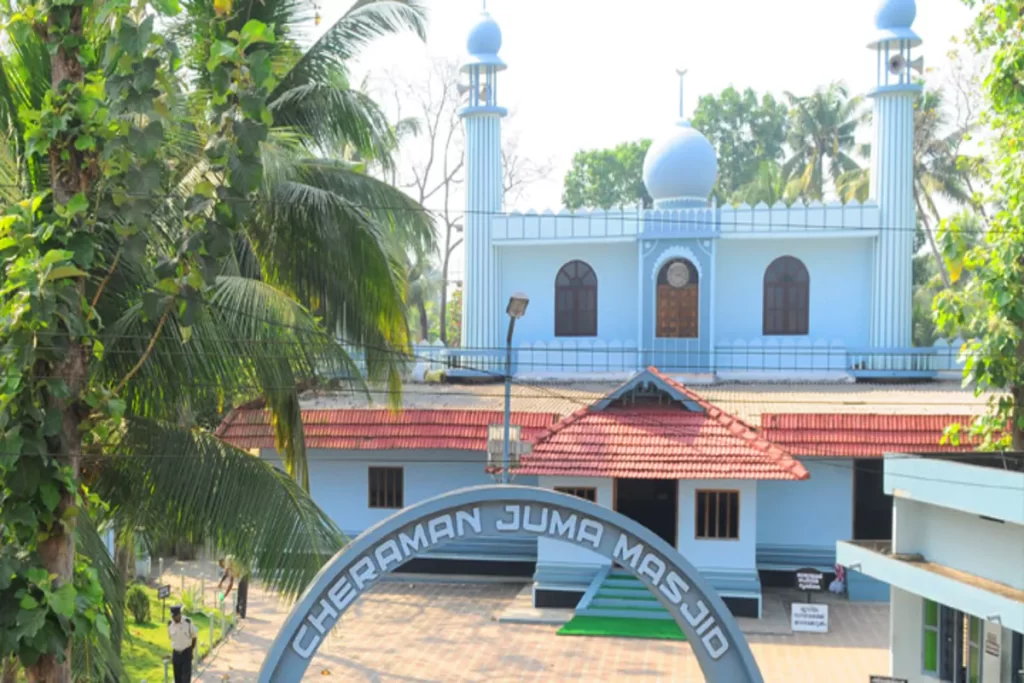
(702,291)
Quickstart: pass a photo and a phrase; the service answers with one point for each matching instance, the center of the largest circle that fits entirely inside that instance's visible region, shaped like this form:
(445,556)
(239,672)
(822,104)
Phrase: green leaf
(62,601)
(61,272)
(221,51)
(78,204)
(168,7)
(55,256)
(81,243)
(97,349)
(255,32)
(260,67)
(28,603)
(50,495)
(85,142)
(116,408)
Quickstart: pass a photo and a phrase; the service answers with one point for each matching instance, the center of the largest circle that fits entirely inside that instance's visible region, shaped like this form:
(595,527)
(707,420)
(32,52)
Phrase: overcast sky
(593,73)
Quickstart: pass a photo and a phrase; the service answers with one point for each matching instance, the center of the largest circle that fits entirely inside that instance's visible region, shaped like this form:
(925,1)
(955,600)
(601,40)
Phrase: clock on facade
(678,275)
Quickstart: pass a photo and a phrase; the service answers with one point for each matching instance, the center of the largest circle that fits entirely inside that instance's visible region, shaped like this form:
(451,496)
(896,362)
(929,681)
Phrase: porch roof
(692,439)
(862,436)
(250,427)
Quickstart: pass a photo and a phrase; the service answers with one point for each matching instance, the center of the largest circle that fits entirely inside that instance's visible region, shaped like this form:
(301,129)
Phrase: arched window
(678,300)
(576,301)
(787,289)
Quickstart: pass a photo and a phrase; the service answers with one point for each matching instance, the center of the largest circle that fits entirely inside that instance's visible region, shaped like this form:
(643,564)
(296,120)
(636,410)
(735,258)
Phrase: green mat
(616,627)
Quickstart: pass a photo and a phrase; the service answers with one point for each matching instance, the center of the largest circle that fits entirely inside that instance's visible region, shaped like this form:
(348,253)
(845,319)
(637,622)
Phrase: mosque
(729,377)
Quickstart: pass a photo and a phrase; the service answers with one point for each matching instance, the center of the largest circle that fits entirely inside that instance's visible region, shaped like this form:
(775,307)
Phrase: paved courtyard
(444,632)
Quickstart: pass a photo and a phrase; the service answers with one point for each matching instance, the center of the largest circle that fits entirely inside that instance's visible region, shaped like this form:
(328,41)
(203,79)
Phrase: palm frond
(95,658)
(190,483)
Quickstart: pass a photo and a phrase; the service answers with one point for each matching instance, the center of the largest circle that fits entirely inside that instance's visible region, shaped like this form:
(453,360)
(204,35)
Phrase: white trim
(865,233)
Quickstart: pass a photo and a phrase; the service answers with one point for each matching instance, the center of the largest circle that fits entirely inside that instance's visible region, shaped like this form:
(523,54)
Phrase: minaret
(480,306)
(892,179)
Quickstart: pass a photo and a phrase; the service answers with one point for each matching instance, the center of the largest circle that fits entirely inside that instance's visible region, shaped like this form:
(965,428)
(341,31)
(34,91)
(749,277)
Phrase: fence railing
(565,358)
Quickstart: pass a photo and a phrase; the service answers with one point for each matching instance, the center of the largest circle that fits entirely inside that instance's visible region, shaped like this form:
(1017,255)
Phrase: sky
(588,74)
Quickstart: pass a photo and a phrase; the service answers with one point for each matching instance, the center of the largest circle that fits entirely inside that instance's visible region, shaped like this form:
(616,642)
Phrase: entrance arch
(719,646)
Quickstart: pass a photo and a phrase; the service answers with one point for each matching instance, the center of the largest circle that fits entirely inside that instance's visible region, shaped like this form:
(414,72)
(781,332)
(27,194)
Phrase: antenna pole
(682,73)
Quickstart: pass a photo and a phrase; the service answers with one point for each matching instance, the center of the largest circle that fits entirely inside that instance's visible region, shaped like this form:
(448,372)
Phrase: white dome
(681,165)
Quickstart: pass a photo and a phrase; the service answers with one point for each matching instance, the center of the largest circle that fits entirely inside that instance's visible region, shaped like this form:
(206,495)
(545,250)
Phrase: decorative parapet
(745,220)
(565,225)
(578,356)
(781,356)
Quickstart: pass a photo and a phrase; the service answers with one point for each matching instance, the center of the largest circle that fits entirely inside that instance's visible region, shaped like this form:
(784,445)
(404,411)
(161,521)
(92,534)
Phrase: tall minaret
(892,181)
(480,306)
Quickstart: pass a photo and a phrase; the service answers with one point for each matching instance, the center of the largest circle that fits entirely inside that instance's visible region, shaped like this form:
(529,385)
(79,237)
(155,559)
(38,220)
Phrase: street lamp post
(517,304)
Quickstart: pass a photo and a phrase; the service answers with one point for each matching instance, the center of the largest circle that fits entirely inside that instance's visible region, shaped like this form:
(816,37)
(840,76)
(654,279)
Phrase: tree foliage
(990,308)
(168,244)
(747,132)
(607,178)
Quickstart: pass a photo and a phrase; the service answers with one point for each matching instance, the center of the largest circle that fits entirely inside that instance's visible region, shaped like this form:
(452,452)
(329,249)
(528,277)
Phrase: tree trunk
(10,671)
(1017,413)
(943,273)
(67,178)
(424,321)
(442,316)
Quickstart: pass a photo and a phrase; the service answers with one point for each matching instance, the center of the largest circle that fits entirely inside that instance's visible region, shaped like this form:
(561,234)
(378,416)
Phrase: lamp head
(517,304)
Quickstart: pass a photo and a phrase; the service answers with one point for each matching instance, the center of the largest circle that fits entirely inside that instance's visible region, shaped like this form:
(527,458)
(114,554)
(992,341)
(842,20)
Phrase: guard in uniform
(183,634)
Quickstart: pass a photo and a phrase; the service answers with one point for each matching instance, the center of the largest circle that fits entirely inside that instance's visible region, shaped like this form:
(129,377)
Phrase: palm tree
(769,186)
(940,171)
(310,269)
(822,137)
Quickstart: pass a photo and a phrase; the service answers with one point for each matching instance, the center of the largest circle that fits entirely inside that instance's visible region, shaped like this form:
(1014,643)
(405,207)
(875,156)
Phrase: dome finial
(682,74)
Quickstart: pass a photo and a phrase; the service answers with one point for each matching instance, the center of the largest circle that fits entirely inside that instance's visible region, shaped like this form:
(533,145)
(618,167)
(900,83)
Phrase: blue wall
(813,512)
(339,479)
(532,269)
(840,270)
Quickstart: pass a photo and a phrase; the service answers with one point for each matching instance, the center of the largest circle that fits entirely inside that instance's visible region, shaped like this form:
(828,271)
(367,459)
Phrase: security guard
(183,634)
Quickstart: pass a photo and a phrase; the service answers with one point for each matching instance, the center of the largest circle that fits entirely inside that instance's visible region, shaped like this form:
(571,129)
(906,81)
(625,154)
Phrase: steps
(619,594)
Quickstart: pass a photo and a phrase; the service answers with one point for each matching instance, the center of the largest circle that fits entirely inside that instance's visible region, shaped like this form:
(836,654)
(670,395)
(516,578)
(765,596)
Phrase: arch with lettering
(719,646)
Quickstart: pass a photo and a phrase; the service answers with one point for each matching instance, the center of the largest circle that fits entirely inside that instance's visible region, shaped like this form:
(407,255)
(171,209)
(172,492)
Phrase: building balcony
(916,574)
(985,484)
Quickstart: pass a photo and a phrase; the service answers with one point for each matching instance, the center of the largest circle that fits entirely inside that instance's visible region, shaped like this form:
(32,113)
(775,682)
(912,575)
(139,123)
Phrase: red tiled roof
(860,435)
(381,429)
(658,443)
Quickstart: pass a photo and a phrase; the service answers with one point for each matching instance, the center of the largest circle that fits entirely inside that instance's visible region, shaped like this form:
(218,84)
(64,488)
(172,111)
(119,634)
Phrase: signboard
(810,580)
(992,647)
(717,643)
(163,592)
(887,679)
(807,618)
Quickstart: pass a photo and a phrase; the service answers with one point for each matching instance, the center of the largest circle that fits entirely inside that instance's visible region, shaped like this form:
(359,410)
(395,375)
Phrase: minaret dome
(893,22)
(484,42)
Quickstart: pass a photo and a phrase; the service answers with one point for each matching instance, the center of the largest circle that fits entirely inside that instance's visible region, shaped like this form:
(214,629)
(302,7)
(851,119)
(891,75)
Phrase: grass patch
(146,645)
(616,627)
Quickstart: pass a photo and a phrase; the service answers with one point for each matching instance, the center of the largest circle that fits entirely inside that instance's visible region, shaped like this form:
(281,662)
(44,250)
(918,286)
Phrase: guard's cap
(175,609)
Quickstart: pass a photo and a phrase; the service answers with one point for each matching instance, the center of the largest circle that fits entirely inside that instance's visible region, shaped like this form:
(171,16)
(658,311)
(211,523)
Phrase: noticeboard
(810,580)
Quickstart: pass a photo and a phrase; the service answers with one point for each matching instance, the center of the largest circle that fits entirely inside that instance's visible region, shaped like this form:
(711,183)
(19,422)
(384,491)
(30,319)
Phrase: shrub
(138,604)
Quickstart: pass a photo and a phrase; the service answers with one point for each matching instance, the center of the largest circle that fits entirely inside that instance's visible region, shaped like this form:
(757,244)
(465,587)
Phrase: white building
(955,566)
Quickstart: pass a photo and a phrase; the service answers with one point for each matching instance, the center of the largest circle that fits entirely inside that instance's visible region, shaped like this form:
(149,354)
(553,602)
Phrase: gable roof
(861,436)
(696,440)
(250,427)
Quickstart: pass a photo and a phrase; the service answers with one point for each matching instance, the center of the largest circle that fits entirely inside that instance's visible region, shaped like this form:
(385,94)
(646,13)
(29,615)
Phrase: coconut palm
(769,186)
(822,133)
(311,275)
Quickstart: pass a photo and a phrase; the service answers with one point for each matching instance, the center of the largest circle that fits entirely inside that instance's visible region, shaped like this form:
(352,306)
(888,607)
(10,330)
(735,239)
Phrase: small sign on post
(810,581)
(162,593)
(806,618)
